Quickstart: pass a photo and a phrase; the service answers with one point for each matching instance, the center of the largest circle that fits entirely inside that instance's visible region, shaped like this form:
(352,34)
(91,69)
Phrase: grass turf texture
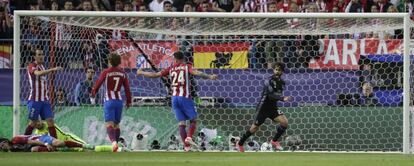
(203,159)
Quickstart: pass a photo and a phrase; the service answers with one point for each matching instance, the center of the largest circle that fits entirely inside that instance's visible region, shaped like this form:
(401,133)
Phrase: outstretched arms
(149,74)
(204,75)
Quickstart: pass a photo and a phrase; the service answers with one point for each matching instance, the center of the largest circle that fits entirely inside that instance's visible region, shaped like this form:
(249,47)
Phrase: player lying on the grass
(37,143)
(267,107)
(42,128)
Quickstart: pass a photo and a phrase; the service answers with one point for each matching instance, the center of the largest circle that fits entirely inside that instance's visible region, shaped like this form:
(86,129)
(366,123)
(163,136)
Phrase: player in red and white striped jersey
(38,103)
(114,78)
(182,104)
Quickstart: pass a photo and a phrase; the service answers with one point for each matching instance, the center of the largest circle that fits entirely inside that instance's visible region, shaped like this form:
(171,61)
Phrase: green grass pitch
(204,159)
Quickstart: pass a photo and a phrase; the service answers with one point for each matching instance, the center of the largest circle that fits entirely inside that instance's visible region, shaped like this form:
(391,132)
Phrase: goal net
(345,74)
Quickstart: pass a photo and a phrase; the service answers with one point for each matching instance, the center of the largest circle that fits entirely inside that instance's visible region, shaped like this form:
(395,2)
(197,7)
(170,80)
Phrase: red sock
(29,130)
(192,128)
(41,149)
(111,133)
(183,133)
(72,144)
(117,133)
(52,131)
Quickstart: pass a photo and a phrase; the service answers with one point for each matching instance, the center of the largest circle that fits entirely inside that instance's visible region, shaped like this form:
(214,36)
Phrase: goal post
(229,33)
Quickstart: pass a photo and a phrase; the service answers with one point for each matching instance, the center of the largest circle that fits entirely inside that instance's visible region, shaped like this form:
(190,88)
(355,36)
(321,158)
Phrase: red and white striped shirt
(179,74)
(38,84)
(114,79)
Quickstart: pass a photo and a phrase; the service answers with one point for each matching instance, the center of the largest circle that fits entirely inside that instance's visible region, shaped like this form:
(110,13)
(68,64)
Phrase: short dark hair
(189,3)
(179,55)
(5,140)
(166,2)
(281,65)
(114,59)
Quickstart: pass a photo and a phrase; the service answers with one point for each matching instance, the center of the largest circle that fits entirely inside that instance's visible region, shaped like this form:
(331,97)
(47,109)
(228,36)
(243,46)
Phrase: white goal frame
(405,16)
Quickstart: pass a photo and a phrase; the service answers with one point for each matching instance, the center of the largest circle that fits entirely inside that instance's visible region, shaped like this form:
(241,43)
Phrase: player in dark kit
(267,107)
(182,104)
(114,78)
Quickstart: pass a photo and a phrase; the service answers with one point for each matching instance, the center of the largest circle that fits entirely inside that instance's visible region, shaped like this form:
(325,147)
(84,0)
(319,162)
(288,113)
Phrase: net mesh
(345,77)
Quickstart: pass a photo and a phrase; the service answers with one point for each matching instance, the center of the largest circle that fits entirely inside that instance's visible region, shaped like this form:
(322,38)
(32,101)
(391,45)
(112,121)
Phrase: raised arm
(148,74)
(45,72)
(204,75)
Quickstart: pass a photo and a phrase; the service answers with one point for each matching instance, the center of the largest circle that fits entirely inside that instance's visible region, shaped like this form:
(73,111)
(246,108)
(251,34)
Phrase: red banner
(159,52)
(345,54)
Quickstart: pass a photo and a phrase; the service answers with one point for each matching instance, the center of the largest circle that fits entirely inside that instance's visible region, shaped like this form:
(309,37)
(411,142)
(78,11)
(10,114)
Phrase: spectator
(354,6)
(368,97)
(87,6)
(34,5)
(384,5)
(167,6)
(321,4)
(6,25)
(119,5)
(157,5)
(405,6)
(341,5)
(143,8)
(223,5)
(68,5)
(284,6)
(61,99)
(83,89)
(128,7)
(179,4)
(54,6)
(205,7)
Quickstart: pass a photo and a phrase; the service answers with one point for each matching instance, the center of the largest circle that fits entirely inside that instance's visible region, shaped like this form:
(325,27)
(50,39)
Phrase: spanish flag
(225,55)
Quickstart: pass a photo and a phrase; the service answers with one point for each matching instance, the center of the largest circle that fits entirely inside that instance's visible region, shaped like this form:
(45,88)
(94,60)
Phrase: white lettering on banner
(349,52)
(382,47)
(94,130)
(362,47)
(157,48)
(329,56)
(125,49)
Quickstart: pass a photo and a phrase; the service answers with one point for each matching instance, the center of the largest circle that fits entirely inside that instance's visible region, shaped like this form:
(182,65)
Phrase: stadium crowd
(295,51)
(284,6)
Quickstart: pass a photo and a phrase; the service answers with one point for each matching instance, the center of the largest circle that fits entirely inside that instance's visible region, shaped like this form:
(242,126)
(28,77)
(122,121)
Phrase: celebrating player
(38,103)
(182,104)
(114,78)
(267,107)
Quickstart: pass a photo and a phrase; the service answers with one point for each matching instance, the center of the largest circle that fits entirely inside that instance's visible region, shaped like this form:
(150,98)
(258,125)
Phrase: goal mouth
(328,57)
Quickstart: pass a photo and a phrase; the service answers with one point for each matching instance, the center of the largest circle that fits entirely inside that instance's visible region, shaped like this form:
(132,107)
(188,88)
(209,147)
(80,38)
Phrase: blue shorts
(184,108)
(42,108)
(45,138)
(113,111)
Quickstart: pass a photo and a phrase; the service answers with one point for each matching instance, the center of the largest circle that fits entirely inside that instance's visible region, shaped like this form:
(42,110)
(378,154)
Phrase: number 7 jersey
(114,79)
(179,74)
